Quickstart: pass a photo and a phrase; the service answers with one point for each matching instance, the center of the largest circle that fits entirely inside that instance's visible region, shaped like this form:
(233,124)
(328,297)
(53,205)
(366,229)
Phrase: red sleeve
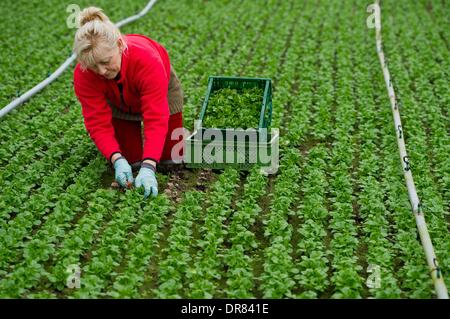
(153,85)
(96,112)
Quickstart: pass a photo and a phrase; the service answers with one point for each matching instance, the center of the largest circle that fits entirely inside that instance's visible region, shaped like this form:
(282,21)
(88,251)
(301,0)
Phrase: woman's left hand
(147,178)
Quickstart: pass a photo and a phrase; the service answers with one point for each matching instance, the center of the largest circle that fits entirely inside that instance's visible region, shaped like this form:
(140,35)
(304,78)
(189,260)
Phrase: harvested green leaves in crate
(232,108)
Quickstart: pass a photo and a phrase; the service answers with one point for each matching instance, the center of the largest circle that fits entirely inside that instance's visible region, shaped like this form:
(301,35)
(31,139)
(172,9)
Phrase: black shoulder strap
(122,102)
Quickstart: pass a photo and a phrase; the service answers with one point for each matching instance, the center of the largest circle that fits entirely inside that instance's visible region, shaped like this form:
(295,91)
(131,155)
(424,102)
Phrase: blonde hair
(95,30)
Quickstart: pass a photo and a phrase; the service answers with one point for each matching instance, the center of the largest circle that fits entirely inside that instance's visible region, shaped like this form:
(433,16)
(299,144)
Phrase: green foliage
(232,108)
(337,205)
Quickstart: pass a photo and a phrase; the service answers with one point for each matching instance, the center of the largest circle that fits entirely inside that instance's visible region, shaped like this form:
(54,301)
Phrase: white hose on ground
(436,274)
(27,95)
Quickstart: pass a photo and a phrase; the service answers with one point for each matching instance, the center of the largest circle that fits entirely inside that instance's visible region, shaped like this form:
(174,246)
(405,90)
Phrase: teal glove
(147,178)
(124,174)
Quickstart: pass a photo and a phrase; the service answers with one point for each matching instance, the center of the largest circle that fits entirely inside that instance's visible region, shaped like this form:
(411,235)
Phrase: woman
(121,80)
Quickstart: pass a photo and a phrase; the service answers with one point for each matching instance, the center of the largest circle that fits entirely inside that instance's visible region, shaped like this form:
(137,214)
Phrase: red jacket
(144,75)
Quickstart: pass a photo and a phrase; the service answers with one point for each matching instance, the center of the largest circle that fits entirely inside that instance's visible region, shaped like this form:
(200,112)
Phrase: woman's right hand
(124,175)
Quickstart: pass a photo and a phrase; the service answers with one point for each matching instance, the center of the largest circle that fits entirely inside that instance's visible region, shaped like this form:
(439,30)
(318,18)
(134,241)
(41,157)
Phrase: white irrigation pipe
(24,97)
(436,274)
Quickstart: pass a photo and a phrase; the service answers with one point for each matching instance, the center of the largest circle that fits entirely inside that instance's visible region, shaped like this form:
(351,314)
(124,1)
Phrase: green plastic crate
(238,154)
